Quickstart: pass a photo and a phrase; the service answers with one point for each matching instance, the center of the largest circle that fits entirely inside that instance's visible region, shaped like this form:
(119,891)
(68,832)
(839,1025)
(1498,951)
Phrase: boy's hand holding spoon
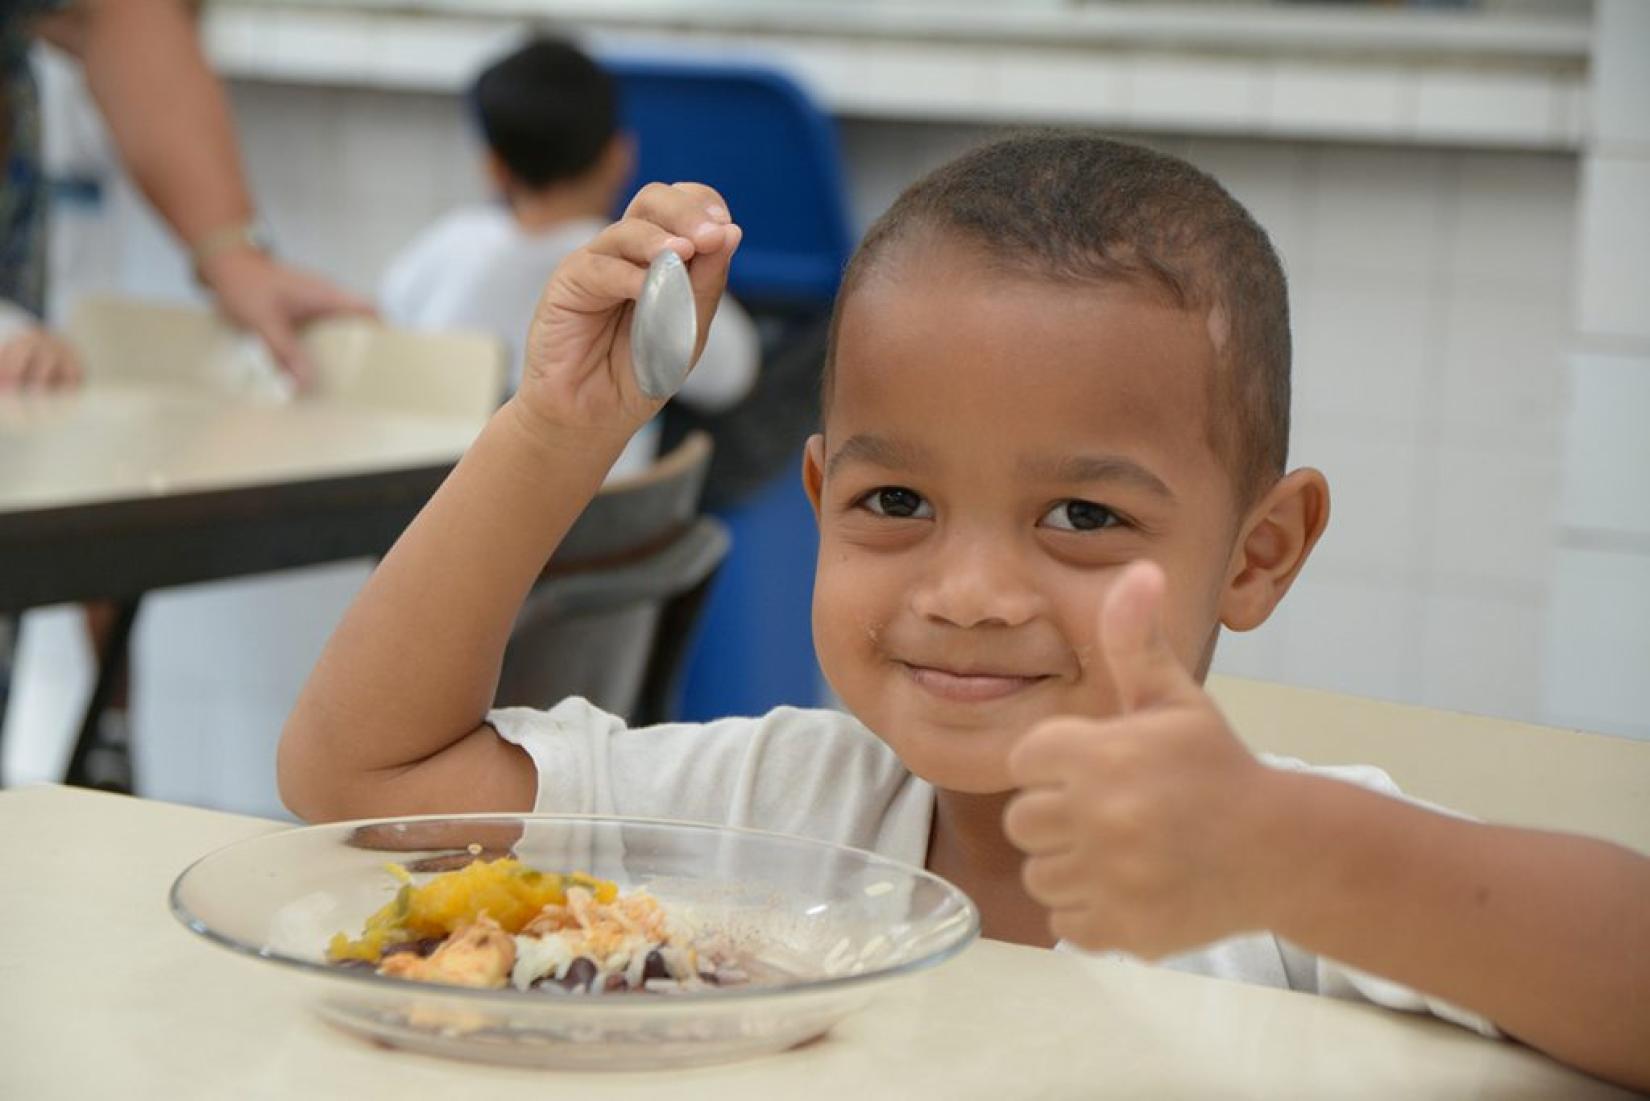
(619,324)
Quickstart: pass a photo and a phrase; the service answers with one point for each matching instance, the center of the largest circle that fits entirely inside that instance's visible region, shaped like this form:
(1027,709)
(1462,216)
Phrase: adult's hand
(275,302)
(35,359)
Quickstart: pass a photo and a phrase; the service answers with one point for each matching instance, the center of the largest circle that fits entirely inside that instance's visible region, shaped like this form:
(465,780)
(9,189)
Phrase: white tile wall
(1350,635)
(1364,347)
(1606,483)
(1497,382)
(1374,473)
(1515,224)
(1598,664)
(1493,531)
(1055,86)
(1474,97)
(1483,108)
(1598,644)
(1170,91)
(1430,298)
(219,688)
(1615,246)
(1380,211)
(1621,60)
(1477,654)
(1336,101)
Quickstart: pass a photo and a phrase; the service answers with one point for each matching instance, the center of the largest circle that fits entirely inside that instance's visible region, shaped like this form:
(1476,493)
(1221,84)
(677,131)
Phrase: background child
(557,161)
(1051,468)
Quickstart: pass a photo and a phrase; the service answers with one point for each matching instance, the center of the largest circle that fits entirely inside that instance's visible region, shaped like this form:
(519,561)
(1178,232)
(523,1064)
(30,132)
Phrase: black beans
(580,973)
(423,948)
(654,967)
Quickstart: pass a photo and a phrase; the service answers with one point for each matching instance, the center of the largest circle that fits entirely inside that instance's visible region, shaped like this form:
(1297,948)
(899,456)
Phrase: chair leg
(661,682)
(111,668)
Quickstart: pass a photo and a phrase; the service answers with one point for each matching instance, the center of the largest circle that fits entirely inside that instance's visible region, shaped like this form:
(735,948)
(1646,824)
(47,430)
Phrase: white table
(103,993)
(114,490)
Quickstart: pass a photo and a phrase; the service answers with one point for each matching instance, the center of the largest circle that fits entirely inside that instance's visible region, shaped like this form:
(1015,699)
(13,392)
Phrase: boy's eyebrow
(878,451)
(1094,468)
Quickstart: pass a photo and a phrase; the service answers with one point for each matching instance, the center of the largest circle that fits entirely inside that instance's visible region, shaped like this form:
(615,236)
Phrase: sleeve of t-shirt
(812,773)
(1336,980)
(727,367)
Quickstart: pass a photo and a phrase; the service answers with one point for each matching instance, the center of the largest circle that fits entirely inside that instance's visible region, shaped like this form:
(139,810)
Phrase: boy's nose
(975,585)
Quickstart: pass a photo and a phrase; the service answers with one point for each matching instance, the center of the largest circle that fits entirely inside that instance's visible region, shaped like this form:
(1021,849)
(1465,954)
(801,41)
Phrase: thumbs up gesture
(1142,831)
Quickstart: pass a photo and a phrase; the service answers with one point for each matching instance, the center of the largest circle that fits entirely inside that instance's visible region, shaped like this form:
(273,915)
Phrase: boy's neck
(541,211)
(968,847)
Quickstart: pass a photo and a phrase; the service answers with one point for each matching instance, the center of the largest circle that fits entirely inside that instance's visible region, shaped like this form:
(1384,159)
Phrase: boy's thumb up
(1144,670)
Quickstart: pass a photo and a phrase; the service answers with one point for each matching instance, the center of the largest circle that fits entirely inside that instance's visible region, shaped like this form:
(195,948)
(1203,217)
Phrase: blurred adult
(172,128)
(171,125)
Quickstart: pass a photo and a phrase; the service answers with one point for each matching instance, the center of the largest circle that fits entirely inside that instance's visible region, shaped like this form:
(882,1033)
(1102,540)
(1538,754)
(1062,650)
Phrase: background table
(115,490)
(105,994)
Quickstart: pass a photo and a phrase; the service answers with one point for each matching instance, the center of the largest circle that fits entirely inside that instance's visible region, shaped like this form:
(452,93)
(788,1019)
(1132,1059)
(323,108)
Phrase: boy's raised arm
(390,721)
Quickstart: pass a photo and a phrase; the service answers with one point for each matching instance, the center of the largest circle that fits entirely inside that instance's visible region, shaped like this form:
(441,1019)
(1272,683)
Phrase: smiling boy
(1051,468)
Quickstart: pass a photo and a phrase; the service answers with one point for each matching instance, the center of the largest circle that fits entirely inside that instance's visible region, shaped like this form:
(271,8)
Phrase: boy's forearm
(412,667)
(1547,935)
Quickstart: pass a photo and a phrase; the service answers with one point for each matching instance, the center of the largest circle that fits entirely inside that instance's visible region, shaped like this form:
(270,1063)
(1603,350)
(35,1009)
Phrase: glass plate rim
(386,983)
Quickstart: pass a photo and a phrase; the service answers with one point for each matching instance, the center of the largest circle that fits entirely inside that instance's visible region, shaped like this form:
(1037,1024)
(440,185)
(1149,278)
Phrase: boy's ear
(813,470)
(1272,546)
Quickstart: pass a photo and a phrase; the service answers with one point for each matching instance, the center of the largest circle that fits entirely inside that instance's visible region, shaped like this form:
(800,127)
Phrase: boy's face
(996,448)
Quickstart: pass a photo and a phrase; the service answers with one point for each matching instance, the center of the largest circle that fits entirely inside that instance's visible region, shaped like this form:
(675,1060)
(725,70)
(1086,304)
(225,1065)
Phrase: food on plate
(499,923)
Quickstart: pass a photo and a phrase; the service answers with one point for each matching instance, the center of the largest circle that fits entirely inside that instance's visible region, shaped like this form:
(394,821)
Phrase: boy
(1050,469)
(557,160)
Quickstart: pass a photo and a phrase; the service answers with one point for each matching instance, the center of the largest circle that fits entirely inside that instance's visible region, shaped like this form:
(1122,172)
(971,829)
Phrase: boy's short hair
(547,111)
(1074,207)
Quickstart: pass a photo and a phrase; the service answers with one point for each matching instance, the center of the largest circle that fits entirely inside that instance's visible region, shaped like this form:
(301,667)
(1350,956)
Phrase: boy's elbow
(311,791)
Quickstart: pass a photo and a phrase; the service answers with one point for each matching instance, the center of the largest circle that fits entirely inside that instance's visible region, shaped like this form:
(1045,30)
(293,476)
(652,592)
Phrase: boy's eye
(1074,515)
(897,502)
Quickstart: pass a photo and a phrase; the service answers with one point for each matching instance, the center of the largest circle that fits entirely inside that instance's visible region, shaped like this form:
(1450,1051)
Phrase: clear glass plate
(844,922)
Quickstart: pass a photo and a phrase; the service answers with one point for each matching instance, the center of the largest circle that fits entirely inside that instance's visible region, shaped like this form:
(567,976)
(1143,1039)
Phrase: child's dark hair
(1075,207)
(547,110)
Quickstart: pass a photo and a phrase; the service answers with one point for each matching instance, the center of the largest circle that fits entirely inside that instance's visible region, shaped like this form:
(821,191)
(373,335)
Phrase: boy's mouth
(969,686)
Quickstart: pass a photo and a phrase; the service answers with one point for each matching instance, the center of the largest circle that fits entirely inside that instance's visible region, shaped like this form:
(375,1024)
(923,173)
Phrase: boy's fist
(578,373)
(1137,828)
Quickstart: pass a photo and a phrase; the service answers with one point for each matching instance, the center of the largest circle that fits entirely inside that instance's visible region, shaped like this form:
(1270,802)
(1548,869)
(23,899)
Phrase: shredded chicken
(480,954)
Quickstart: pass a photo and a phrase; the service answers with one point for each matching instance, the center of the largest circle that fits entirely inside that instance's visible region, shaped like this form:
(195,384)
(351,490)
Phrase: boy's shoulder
(807,730)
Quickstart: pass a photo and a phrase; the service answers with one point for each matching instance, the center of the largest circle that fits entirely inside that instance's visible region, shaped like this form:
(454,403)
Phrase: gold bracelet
(224,239)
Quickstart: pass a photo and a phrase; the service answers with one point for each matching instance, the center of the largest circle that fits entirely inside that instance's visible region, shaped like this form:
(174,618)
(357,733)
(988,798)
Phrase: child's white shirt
(823,774)
(476,269)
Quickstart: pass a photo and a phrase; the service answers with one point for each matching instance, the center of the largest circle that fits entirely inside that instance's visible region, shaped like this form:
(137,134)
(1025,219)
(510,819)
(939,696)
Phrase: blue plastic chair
(749,131)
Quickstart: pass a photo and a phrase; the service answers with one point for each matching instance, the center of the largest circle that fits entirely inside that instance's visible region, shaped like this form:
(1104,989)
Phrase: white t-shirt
(477,269)
(823,774)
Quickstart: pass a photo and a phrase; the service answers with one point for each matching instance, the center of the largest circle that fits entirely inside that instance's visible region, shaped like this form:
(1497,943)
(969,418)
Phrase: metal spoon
(664,328)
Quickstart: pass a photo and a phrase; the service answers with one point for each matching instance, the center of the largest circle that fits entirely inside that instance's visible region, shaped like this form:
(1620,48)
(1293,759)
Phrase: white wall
(1431,292)
(1598,651)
